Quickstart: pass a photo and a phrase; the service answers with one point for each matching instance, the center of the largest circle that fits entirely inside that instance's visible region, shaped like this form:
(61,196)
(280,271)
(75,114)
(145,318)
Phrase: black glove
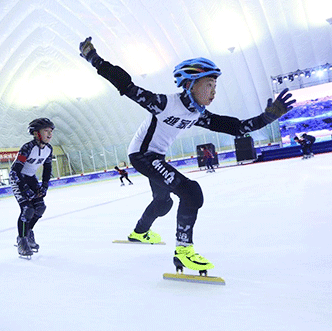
(88,51)
(43,190)
(115,74)
(27,192)
(279,107)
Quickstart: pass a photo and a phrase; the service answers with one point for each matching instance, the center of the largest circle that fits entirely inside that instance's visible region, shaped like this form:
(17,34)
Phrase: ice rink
(267,228)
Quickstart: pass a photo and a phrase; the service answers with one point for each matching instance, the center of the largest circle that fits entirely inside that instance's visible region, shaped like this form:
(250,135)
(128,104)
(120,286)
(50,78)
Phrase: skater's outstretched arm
(154,103)
(237,127)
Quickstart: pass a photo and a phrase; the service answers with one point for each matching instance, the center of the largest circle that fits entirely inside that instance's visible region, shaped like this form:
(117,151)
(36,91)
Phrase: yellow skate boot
(185,256)
(146,237)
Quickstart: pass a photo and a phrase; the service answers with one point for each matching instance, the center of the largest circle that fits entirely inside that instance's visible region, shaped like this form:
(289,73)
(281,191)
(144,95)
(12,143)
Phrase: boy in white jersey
(27,191)
(169,116)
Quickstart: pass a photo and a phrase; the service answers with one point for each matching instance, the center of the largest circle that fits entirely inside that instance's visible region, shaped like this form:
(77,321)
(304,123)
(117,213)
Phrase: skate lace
(31,237)
(190,253)
(147,236)
(195,256)
(150,234)
(23,244)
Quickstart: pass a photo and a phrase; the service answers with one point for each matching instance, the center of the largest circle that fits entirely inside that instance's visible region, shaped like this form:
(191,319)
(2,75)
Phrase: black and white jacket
(29,158)
(170,115)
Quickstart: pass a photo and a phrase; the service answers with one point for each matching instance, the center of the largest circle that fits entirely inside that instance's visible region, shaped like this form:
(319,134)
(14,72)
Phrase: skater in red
(169,116)
(123,174)
(208,157)
(26,188)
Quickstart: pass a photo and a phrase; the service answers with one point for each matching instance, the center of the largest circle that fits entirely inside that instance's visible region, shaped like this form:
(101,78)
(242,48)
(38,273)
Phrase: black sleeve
(47,171)
(16,176)
(154,103)
(114,74)
(18,164)
(312,139)
(230,125)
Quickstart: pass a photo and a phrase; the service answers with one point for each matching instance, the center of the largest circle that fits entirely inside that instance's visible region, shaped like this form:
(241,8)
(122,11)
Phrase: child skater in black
(170,115)
(27,191)
(123,174)
(306,141)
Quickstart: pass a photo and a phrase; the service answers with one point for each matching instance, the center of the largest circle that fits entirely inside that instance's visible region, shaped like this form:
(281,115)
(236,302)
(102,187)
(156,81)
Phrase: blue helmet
(191,70)
(194,69)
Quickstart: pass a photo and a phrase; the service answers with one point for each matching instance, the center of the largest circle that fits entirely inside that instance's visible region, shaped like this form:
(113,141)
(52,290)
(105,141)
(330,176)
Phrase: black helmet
(40,123)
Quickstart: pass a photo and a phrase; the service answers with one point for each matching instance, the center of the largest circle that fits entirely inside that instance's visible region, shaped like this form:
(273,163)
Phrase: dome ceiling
(42,74)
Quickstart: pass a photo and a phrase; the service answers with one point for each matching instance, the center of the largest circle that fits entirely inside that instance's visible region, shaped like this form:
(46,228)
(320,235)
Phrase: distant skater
(208,157)
(306,141)
(123,174)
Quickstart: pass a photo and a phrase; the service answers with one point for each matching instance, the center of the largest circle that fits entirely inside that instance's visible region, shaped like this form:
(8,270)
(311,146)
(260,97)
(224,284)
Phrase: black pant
(307,149)
(165,179)
(124,176)
(208,163)
(31,210)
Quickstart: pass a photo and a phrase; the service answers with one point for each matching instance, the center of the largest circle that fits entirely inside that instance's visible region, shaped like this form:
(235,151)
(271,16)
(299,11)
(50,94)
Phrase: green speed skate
(185,256)
(146,237)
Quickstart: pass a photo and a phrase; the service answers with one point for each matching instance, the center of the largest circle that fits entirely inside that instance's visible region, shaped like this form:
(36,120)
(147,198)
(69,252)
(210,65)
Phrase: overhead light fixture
(320,73)
(312,72)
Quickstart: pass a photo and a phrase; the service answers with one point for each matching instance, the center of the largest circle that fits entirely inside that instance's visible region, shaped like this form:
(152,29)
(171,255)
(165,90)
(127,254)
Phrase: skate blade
(195,278)
(25,257)
(34,250)
(136,242)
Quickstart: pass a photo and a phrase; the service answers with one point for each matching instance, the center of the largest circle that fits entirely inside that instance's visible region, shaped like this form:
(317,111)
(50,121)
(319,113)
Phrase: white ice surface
(266,227)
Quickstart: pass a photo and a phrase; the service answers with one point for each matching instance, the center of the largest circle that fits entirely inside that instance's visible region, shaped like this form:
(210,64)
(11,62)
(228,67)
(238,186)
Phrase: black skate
(23,247)
(32,243)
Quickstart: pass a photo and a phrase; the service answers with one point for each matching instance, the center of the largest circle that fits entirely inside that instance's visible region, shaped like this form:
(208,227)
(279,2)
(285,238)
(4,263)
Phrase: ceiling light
(320,73)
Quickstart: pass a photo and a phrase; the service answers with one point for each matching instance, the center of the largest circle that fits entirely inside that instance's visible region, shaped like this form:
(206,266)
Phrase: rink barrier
(106,175)
(293,151)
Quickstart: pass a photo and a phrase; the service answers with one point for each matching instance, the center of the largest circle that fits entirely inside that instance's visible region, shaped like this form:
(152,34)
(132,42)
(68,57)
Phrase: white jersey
(31,157)
(158,131)
(36,158)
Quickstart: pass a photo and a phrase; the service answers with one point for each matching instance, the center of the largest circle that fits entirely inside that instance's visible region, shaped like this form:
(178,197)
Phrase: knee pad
(27,213)
(40,209)
(190,194)
(164,207)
